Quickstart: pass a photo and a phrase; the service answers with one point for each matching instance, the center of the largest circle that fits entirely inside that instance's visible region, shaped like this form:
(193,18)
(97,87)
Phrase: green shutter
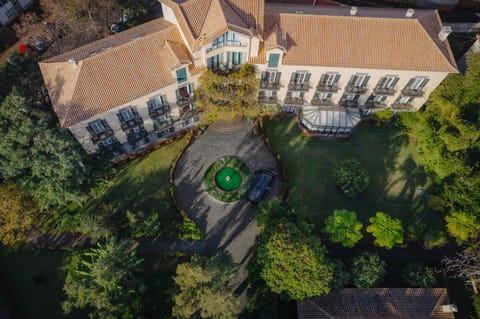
(273,60)
(181,75)
(307,78)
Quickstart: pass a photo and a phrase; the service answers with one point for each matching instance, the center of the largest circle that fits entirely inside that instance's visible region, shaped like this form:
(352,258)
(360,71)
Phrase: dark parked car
(261,186)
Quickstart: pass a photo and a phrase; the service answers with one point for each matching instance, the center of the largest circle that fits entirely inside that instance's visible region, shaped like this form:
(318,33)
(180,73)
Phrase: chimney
(443,34)
(409,13)
(72,62)
(449,308)
(353,11)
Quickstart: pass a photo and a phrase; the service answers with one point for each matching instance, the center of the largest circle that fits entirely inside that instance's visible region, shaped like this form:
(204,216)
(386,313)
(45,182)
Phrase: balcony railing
(295,86)
(294,101)
(184,100)
(125,125)
(348,103)
(267,99)
(225,44)
(97,138)
(187,111)
(270,85)
(356,89)
(375,105)
(162,109)
(114,146)
(402,106)
(384,91)
(322,87)
(322,102)
(132,136)
(413,92)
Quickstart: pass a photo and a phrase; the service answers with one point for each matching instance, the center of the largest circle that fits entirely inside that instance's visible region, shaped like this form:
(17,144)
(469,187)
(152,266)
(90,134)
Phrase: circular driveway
(227,226)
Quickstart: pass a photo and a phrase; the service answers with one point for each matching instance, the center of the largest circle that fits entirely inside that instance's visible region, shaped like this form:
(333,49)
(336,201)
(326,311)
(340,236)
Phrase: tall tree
(343,227)
(203,288)
(17,214)
(105,279)
(387,231)
(37,154)
(293,263)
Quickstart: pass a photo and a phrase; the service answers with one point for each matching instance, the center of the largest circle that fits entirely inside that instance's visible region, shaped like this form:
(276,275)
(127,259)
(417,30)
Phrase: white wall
(228,48)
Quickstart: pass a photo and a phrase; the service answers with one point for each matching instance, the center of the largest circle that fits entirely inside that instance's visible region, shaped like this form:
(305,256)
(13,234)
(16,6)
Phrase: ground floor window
(214,61)
(235,58)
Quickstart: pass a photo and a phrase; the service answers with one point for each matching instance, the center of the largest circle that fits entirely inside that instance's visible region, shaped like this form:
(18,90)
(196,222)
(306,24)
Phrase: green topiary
(351,177)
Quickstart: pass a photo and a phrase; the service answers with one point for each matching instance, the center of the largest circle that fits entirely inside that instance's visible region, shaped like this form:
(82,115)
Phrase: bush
(387,231)
(368,270)
(436,239)
(351,177)
(341,277)
(343,227)
(417,275)
(383,116)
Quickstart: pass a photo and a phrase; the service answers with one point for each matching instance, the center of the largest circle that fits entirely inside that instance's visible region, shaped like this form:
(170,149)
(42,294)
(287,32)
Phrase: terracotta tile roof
(131,68)
(276,39)
(374,38)
(377,303)
(251,11)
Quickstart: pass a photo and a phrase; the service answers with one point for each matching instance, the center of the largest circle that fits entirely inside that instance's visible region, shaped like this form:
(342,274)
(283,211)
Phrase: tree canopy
(462,226)
(387,231)
(368,270)
(351,177)
(343,227)
(105,279)
(38,155)
(203,288)
(293,263)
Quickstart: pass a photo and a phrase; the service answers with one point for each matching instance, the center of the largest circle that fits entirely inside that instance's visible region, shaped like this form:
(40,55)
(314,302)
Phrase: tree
(351,177)
(462,226)
(343,227)
(105,280)
(203,288)
(465,264)
(417,275)
(229,96)
(18,214)
(38,155)
(341,277)
(368,270)
(293,263)
(387,231)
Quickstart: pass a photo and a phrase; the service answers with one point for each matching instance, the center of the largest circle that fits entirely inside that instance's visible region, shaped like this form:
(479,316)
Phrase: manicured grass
(35,282)
(389,157)
(140,185)
(228,179)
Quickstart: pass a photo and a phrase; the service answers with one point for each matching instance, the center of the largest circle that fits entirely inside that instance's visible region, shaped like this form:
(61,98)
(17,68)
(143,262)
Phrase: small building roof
(377,303)
(317,119)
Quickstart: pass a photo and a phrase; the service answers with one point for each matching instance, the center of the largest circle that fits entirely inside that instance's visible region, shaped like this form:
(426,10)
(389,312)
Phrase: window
(185,93)
(268,93)
(417,83)
(329,79)
(214,61)
(127,114)
(271,76)
(273,60)
(228,38)
(156,102)
(323,96)
(181,75)
(235,57)
(351,97)
(295,95)
(97,127)
(359,80)
(405,99)
(379,98)
(10,13)
(107,141)
(388,82)
(300,77)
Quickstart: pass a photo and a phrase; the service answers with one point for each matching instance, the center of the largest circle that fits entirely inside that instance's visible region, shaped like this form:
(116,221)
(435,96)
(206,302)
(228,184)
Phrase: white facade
(11,9)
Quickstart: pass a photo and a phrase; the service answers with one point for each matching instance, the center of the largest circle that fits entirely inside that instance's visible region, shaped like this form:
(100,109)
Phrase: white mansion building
(328,64)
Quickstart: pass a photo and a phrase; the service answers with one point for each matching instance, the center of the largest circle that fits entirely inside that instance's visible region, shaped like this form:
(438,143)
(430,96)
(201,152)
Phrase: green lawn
(390,159)
(140,185)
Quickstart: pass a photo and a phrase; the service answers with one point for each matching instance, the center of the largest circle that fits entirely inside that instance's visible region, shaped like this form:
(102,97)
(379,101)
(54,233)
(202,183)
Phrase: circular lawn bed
(227,179)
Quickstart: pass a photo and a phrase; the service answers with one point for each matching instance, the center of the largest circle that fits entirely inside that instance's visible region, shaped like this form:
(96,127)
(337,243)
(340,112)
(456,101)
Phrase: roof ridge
(68,106)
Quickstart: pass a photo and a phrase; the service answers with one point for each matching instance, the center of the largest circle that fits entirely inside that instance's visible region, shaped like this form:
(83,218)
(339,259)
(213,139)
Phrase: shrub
(368,270)
(383,116)
(341,277)
(387,231)
(462,226)
(417,275)
(436,239)
(343,227)
(351,177)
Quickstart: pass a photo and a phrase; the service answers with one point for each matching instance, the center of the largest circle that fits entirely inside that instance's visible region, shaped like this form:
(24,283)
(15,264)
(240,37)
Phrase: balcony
(115,146)
(270,85)
(183,100)
(97,138)
(268,99)
(295,86)
(402,106)
(137,120)
(294,101)
(356,89)
(322,87)
(187,111)
(348,103)
(413,92)
(134,135)
(322,102)
(226,44)
(375,105)
(161,109)
(384,91)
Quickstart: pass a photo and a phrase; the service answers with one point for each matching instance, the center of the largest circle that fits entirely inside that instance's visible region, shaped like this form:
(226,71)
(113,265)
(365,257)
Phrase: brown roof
(126,66)
(373,38)
(276,39)
(203,20)
(377,303)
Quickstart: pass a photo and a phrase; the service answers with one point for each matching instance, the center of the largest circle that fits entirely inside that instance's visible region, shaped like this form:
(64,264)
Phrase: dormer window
(181,75)
(127,114)
(273,60)
(97,127)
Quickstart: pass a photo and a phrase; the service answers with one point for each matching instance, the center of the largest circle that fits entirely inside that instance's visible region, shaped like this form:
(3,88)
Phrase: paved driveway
(228,226)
